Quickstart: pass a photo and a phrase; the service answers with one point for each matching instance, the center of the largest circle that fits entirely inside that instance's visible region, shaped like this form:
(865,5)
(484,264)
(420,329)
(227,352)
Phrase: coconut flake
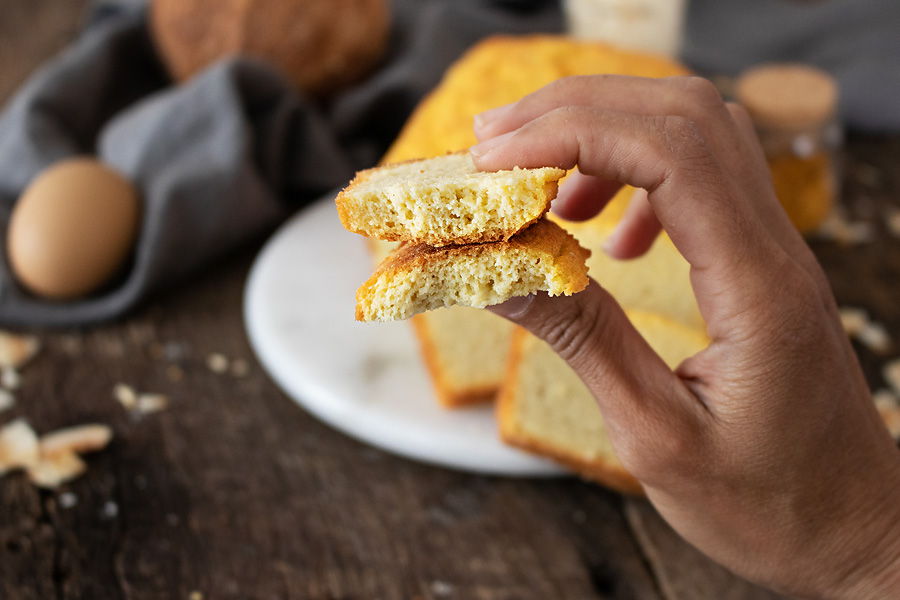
(56,469)
(19,446)
(16,350)
(79,439)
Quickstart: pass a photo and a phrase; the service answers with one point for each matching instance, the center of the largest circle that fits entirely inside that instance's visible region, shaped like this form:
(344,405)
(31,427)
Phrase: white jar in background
(647,25)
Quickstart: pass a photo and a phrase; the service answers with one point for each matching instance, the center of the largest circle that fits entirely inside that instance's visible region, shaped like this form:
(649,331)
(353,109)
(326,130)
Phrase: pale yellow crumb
(445,200)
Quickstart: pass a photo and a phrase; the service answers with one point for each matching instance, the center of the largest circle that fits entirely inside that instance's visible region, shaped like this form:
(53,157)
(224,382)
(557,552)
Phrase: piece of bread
(658,281)
(445,200)
(545,408)
(497,71)
(463,373)
(416,277)
(318,45)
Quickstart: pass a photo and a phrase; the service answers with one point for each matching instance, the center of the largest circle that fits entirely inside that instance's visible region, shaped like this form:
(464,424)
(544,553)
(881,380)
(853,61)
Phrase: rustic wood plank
(683,572)
(32,31)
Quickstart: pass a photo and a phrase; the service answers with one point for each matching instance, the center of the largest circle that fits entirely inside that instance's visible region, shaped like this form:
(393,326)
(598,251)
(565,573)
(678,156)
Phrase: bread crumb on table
(125,395)
(853,319)
(888,406)
(217,363)
(19,446)
(151,403)
(858,325)
(7,400)
(55,470)
(139,404)
(53,459)
(16,350)
(10,378)
(891,373)
(892,220)
(67,500)
(838,228)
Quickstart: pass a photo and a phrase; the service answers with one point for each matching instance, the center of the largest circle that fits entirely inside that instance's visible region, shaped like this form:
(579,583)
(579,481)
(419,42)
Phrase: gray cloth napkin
(222,159)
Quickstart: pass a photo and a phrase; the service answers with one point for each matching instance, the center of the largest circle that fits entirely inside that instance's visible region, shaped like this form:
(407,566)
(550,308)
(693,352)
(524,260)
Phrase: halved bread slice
(445,200)
(416,277)
(462,372)
(544,407)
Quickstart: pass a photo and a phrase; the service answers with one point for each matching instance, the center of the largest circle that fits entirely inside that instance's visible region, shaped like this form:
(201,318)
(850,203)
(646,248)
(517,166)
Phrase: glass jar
(794,109)
(644,25)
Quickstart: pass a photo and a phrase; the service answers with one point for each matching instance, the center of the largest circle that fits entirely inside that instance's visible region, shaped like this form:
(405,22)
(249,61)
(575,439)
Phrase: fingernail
(484,118)
(514,307)
(609,244)
(483,148)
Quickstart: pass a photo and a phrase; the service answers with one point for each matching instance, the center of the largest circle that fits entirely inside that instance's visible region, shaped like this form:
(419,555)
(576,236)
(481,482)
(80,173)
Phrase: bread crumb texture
(417,277)
(445,200)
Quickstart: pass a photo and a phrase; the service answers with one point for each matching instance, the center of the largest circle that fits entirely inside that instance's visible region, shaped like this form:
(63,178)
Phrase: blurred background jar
(794,108)
(647,25)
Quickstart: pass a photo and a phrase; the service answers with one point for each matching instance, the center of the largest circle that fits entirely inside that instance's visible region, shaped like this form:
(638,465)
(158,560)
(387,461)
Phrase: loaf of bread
(445,200)
(416,277)
(545,408)
(318,45)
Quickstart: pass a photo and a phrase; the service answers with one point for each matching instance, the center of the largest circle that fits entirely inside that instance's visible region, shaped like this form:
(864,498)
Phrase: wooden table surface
(235,492)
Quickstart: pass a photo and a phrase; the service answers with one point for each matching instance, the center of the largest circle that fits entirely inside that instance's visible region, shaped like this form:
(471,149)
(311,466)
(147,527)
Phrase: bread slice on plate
(544,407)
(416,277)
(445,200)
(463,372)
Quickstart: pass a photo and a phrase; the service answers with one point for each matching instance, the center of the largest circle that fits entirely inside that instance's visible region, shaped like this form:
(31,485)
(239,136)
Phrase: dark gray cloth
(223,158)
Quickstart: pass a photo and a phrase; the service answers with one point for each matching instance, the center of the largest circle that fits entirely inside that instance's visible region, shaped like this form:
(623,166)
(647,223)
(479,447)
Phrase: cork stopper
(788,96)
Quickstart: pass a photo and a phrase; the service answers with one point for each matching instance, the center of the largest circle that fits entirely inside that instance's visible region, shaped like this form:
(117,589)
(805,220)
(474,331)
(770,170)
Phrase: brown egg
(72,229)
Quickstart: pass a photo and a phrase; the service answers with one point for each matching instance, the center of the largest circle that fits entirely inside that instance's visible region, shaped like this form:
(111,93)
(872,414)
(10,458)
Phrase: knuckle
(682,142)
(566,85)
(571,331)
(700,90)
(738,111)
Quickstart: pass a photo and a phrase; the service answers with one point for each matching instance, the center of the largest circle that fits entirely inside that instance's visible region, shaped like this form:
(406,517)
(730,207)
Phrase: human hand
(764,450)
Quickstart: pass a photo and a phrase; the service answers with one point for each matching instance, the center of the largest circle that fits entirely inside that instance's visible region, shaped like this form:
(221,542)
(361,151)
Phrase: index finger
(719,233)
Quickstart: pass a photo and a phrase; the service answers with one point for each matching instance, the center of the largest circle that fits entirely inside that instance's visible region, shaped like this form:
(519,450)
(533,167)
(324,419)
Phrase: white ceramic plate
(365,379)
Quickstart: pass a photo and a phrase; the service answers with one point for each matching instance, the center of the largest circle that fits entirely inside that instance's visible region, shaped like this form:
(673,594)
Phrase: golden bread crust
(318,45)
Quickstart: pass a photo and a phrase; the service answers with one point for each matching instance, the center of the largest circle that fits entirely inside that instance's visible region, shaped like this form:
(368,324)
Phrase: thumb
(637,392)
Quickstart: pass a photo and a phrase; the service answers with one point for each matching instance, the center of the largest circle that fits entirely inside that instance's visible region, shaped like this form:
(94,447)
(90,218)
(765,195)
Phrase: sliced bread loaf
(445,200)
